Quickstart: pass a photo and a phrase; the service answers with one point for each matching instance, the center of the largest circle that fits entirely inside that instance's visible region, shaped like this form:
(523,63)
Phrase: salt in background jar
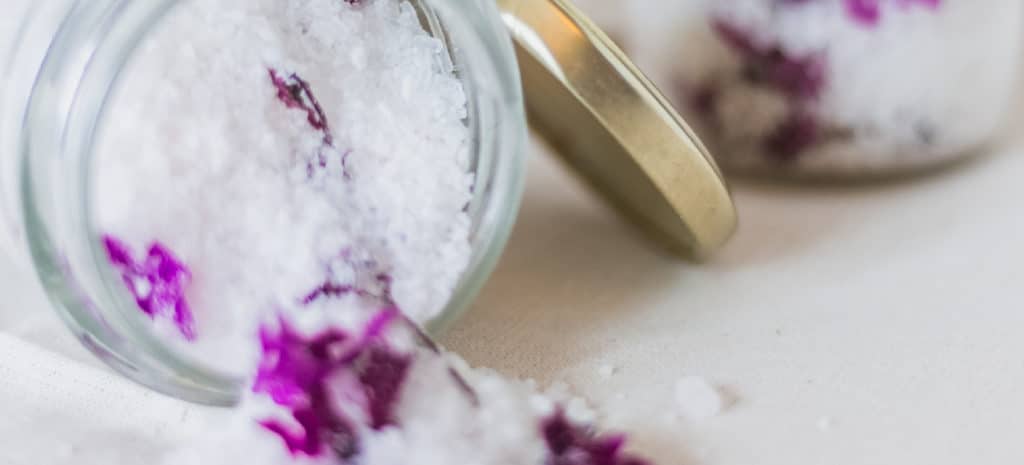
(831,88)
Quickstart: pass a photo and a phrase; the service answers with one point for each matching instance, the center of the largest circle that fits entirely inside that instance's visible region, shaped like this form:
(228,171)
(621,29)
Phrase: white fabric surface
(59,405)
(858,325)
(853,325)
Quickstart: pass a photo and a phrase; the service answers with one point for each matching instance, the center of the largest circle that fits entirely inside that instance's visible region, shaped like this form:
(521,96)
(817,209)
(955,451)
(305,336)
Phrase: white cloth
(59,405)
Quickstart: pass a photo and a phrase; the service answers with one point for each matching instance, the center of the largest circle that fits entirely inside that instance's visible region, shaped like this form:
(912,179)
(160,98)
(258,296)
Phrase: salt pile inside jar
(283,192)
(848,87)
(289,158)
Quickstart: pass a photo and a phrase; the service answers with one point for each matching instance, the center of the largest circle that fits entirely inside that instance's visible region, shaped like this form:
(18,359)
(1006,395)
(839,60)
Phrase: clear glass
(64,59)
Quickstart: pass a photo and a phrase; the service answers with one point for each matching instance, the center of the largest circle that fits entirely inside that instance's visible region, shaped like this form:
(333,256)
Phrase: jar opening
(87,59)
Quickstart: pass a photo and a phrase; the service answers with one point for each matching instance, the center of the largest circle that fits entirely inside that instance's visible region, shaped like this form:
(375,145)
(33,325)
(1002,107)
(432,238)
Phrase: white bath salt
(283,191)
(696,399)
(606,371)
(378,394)
(558,390)
(287,156)
(848,86)
(63,452)
(575,407)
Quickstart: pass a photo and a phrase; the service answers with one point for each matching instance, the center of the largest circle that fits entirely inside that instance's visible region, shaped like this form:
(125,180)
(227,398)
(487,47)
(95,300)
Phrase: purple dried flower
(293,373)
(381,376)
(704,98)
(797,133)
(330,289)
(158,282)
(738,39)
(327,290)
(295,92)
(864,11)
(305,375)
(869,12)
(572,444)
(800,77)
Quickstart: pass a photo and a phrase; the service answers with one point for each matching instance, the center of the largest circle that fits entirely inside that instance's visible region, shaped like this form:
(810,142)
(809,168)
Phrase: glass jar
(61,59)
(847,88)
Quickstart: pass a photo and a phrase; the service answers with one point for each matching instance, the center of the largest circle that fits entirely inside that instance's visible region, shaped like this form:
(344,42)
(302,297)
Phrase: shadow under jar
(62,62)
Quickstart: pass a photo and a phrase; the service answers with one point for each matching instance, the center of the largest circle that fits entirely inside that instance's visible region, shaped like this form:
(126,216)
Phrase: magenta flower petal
(572,444)
(866,12)
(799,77)
(157,282)
(869,12)
(295,92)
(297,372)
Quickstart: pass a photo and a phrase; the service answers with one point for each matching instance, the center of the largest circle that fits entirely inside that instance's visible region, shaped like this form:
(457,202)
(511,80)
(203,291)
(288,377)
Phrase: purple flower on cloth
(158,282)
(334,383)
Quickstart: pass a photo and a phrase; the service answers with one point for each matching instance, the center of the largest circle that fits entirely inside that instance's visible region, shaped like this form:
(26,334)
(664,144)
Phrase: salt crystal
(606,371)
(696,399)
(63,452)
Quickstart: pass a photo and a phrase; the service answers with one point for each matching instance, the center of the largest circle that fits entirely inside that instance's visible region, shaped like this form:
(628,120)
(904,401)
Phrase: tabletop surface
(850,325)
(857,324)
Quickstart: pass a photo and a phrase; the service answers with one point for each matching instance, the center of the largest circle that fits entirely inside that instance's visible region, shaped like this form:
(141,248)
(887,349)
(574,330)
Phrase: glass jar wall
(61,61)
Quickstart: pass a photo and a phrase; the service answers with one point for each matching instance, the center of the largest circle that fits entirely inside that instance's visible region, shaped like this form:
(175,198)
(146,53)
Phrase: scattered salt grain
(696,399)
(576,408)
(606,371)
(558,390)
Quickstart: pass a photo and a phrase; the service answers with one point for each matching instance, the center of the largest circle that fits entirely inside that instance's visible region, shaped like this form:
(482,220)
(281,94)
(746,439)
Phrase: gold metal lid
(607,120)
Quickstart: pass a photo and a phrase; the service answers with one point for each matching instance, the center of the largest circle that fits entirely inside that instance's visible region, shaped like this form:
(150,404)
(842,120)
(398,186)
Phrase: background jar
(832,89)
(61,58)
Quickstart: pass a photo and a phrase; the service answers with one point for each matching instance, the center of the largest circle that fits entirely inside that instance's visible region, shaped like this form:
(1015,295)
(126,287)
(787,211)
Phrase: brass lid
(614,127)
